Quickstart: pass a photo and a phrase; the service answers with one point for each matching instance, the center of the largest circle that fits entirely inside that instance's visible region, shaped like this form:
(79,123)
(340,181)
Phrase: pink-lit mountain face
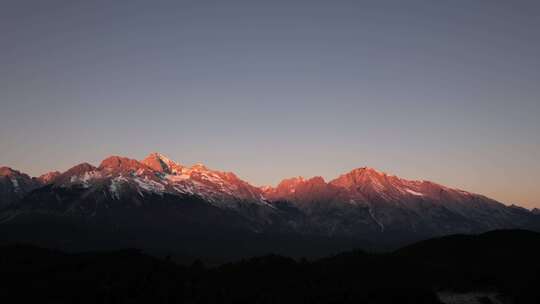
(158,194)
(158,175)
(395,204)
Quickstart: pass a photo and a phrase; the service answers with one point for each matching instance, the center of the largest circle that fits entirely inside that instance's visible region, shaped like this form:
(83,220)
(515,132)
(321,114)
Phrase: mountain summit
(158,195)
(161,163)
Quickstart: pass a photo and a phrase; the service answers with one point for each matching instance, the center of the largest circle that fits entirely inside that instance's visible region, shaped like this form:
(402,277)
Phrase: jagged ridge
(363,203)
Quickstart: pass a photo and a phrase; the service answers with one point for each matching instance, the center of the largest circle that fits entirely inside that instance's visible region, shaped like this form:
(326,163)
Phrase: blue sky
(438,90)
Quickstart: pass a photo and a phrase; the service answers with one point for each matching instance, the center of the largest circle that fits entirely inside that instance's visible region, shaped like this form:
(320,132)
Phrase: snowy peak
(360,177)
(157,174)
(199,167)
(7,171)
(80,173)
(284,188)
(290,183)
(368,182)
(121,164)
(365,185)
(79,169)
(361,201)
(160,163)
(301,190)
(359,185)
(216,185)
(295,181)
(15,176)
(49,177)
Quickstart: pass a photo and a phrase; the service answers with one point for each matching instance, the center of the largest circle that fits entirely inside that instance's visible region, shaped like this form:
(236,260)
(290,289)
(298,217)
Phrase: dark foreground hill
(494,267)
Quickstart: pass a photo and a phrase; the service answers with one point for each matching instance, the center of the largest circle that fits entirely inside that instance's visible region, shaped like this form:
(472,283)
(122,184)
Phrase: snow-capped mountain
(48,177)
(14,185)
(159,195)
(121,190)
(157,174)
(365,199)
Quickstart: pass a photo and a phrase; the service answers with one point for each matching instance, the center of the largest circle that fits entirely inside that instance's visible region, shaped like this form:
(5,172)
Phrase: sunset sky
(447,91)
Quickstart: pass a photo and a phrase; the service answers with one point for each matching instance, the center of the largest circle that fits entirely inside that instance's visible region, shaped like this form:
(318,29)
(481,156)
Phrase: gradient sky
(447,91)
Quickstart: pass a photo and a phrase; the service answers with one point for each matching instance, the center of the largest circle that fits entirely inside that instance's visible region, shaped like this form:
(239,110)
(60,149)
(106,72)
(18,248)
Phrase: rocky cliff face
(365,199)
(158,194)
(14,185)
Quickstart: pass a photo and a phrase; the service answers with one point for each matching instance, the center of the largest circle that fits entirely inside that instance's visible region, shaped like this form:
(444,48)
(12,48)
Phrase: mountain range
(159,203)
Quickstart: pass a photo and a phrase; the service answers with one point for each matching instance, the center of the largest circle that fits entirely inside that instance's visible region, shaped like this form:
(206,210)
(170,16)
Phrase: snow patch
(414,192)
(15,183)
(115,186)
(150,185)
(85,178)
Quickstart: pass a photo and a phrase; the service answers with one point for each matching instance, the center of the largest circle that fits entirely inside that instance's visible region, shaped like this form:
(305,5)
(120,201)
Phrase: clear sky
(447,91)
